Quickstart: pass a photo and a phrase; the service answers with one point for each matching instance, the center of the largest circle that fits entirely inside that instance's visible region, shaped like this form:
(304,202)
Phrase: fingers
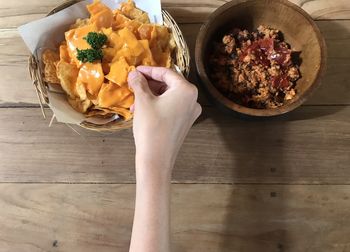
(197,110)
(162,74)
(157,88)
(138,83)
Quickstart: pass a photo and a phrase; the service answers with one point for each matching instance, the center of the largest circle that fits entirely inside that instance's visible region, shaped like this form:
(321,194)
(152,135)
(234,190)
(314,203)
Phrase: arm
(152,214)
(165,109)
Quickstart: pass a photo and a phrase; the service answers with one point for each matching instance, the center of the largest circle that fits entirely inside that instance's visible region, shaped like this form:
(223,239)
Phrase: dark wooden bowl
(299,30)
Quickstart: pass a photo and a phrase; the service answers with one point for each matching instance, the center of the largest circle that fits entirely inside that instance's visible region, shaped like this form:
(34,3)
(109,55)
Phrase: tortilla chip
(68,74)
(120,21)
(145,31)
(64,55)
(80,23)
(92,76)
(50,59)
(131,41)
(125,113)
(102,16)
(119,72)
(130,10)
(113,95)
(78,105)
(147,57)
(143,18)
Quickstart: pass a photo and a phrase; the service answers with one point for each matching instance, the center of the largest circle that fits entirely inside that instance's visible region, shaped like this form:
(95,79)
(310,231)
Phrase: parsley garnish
(96,41)
(89,55)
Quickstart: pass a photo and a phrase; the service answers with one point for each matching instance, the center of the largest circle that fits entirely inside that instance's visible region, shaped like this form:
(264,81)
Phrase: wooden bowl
(299,30)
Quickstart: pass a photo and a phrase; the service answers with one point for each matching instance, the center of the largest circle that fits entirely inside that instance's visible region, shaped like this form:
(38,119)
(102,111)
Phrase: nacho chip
(109,112)
(143,18)
(127,54)
(101,112)
(133,26)
(130,10)
(108,54)
(80,23)
(68,74)
(161,58)
(125,113)
(145,31)
(91,75)
(120,21)
(115,41)
(101,15)
(119,72)
(161,35)
(78,105)
(131,41)
(80,91)
(64,55)
(50,56)
(147,57)
(50,59)
(113,95)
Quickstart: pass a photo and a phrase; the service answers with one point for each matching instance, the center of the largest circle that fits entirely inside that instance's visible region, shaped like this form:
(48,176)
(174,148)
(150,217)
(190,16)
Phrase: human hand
(165,109)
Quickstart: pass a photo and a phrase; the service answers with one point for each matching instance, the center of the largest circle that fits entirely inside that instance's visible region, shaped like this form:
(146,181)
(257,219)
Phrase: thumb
(138,83)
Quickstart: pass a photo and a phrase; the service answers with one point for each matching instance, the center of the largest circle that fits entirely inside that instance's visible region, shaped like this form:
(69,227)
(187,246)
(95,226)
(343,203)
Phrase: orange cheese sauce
(91,75)
(75,40)
(115,96)
(131,41)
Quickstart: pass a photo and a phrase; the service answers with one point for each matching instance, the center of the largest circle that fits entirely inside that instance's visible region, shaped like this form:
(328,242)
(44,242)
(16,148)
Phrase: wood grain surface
(16,13)
(310,145)
(223,218)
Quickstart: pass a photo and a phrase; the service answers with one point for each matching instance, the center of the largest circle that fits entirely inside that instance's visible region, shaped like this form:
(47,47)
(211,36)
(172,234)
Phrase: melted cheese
(101,15)
(75,39)
(119,72)
(147,58)
(131,41)
(91,75)
(120,21)
(145,31)
(115,41)
(113,95)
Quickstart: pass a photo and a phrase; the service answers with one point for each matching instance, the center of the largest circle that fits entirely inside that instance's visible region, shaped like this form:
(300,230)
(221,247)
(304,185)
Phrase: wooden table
(281,184)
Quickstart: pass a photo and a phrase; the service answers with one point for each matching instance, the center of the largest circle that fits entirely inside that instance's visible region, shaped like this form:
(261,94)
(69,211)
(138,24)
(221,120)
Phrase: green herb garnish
(96,40)
(89,55)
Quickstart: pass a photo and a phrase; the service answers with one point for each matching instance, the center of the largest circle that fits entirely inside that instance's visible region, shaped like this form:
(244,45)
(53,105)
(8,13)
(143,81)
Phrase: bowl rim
(204,79)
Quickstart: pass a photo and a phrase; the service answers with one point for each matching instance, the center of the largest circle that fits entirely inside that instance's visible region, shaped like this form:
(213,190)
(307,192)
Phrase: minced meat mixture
(255,68)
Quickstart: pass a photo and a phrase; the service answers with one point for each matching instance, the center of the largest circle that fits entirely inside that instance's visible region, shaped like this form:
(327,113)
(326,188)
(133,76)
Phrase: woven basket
(181,58)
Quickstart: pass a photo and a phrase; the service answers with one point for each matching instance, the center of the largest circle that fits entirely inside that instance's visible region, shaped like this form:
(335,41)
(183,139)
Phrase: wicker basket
(181,59)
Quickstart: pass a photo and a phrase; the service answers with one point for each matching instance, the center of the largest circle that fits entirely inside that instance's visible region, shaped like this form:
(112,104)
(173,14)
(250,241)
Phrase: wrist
(150,169)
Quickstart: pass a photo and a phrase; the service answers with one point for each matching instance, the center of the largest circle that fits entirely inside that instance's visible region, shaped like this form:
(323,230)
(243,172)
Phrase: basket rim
(40,85)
